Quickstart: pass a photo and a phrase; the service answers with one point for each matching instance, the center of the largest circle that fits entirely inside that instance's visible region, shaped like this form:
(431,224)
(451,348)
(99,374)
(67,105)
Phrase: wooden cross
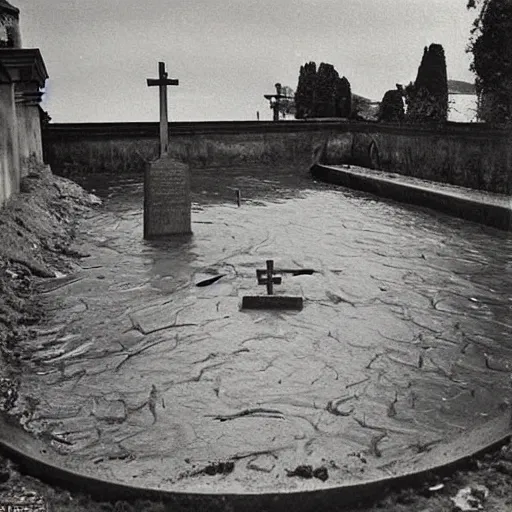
(163,82)
(270,280)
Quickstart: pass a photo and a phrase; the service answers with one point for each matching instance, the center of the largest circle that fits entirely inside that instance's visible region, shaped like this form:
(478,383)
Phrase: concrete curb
(39,460)
(455,201)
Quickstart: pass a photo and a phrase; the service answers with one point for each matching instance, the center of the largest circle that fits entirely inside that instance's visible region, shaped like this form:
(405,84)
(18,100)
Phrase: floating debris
(209,281)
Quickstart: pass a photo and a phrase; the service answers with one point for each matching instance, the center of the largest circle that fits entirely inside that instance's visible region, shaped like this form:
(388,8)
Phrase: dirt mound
(37,228)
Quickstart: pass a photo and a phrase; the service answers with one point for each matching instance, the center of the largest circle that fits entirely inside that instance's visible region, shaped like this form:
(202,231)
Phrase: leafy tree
(392,107)
(491,45)
(427,98)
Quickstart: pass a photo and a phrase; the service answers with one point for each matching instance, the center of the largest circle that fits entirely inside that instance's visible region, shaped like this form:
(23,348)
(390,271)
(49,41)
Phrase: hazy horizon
(228,54)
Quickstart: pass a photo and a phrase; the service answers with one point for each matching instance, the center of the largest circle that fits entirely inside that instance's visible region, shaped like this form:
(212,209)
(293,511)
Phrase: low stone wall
(468,155)
(478,158)
(127,147)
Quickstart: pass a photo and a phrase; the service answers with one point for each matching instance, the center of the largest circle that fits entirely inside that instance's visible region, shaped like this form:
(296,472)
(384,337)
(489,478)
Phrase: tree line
(321,92)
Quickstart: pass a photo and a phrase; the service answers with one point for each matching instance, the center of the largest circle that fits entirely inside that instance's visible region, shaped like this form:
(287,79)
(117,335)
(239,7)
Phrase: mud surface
(141,376)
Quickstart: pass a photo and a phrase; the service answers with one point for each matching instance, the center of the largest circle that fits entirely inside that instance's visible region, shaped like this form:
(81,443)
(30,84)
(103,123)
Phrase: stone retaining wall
(468,155)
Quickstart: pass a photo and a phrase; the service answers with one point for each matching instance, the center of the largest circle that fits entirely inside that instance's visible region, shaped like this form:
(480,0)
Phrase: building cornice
(24,65)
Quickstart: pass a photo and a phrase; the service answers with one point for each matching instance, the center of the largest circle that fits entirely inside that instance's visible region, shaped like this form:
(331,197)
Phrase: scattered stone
(263,463)
(94,200)
(73,252)
(219,468)
(503,466)
(301,471)
(11,274)
(321,473)
(470,499)
(214,468)
(18,497)
(308,472)
(111,411)
(480,491)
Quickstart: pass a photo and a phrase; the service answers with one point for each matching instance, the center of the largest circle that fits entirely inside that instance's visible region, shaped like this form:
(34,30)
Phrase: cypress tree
(392,107)
(492,61)
(304,94)
(325,92)
(428,97)
(343,98)
(322,93)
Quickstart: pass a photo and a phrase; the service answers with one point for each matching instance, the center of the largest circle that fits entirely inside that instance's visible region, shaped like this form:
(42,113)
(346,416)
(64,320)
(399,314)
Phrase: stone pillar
(28,72)
(9,156)
(30,141)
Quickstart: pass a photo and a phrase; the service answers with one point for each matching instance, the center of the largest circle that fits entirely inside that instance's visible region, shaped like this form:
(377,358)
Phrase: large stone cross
(163,82)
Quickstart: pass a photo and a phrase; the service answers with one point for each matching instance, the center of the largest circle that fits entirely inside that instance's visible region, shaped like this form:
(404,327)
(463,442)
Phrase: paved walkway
(142,377)
(478,206)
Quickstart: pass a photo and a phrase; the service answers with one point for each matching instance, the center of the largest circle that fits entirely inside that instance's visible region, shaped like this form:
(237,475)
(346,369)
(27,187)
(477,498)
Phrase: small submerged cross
(163,82)
(270,301)
(270,278)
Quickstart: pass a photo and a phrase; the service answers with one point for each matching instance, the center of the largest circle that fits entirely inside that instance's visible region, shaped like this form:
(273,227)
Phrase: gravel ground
(36,242)
(489,475)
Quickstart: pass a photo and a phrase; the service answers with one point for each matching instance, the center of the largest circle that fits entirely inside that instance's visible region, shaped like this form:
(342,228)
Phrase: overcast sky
(228,53)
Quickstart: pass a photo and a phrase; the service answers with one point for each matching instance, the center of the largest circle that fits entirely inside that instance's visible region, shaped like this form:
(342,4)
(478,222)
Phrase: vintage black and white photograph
(256,255)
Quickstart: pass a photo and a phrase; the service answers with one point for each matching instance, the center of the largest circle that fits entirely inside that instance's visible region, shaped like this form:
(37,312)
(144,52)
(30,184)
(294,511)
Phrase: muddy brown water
(142,377)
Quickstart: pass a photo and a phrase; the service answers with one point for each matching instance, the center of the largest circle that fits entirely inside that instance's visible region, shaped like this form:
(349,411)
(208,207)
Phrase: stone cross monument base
(167,204)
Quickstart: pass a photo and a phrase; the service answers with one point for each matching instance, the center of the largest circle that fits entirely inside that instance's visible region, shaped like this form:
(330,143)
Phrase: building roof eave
(24,65)
(6,7)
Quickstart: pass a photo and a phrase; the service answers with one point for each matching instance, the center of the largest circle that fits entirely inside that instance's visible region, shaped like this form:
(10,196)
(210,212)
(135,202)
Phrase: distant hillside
(365,108)
(460,87)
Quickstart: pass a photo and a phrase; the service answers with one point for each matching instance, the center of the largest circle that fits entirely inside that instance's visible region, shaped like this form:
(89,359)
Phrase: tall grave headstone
(167,204)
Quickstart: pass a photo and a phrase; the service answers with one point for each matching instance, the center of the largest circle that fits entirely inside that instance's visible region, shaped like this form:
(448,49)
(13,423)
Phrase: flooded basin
(145,378)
